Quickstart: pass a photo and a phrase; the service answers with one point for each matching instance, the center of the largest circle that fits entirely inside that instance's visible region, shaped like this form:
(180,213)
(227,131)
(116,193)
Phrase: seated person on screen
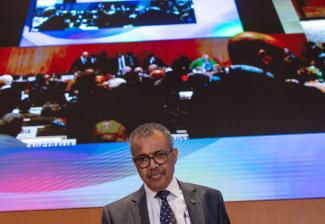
(121,61)
(268,53)
(151,59)
(163,198)
(252,96)
(10,127)
(95,62)
(262,51)
(10,97)
(203,64)
(82,63)
(110,131)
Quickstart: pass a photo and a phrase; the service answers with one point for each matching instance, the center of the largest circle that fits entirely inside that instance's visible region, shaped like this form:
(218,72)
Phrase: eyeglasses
(160,157)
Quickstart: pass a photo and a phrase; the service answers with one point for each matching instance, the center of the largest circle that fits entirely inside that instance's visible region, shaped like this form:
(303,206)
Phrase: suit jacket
(129,60)
(9,99)
(205,205)
(152,60)
(78,65)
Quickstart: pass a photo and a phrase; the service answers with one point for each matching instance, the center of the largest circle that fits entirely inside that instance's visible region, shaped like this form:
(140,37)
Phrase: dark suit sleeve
(105,217)
(223,216)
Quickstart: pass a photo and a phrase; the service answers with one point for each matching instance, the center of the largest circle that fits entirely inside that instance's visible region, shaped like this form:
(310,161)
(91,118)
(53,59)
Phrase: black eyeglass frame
(135,158)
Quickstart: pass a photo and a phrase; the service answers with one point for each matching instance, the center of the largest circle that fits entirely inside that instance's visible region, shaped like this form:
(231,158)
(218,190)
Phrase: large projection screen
(272,163)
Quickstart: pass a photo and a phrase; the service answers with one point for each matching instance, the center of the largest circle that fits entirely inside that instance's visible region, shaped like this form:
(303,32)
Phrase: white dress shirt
(121,62)
(175,200)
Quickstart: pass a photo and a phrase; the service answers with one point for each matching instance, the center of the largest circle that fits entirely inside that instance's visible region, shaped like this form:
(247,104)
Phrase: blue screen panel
(243,168)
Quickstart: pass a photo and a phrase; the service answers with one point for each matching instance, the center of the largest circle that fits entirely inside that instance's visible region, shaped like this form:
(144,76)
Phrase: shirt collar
(173,188)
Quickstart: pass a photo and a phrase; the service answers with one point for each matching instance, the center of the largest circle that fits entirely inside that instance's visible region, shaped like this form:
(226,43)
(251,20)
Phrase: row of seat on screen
(240,99)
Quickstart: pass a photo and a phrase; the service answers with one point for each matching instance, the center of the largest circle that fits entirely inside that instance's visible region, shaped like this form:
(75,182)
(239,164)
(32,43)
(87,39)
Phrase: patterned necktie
(166,213)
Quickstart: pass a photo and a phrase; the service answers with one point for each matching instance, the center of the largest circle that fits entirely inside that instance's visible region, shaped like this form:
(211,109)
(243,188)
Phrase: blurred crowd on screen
(87,16)
(266,90)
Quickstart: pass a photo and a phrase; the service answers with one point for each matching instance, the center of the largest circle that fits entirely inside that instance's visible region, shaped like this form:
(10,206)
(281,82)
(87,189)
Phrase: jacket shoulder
(198,188)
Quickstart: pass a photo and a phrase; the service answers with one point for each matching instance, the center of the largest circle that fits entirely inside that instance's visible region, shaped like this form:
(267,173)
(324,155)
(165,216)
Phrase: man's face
(156,177)
(85,54)
(206,57)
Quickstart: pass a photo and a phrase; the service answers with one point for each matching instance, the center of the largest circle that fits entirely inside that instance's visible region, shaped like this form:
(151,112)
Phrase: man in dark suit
(152,59)
(82,63)
(163,198)
(121,61)
(10,97)
(254,96)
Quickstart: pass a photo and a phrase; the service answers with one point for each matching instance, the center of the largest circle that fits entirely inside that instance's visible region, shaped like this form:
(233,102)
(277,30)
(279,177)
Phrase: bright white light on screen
(88,1)
(47,3)
(314,30)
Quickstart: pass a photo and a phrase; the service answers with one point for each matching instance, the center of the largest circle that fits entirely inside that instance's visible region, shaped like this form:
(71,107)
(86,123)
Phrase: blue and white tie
(167,215)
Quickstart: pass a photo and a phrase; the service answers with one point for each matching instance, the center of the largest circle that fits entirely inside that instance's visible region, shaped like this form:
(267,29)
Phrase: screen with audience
(245,104)
(60,22)
(248,83)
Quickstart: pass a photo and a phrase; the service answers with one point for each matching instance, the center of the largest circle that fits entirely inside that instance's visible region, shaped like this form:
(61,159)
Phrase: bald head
(85,54)
(6,80)
(245,48)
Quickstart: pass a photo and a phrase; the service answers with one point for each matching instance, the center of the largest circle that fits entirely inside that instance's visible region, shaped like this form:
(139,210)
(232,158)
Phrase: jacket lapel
(193,203)
(140,211)
(139,207)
